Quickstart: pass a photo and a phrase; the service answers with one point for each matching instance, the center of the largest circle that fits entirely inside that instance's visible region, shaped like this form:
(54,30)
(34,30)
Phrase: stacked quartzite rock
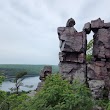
(98,72)
(47,70)
(73,52)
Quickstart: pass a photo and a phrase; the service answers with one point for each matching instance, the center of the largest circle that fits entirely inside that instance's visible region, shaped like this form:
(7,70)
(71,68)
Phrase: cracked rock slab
(72,57)
(87,28)
(73,71)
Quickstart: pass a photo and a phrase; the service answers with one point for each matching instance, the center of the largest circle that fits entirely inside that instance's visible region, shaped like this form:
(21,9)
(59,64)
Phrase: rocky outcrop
(99,68)
(73,52)
(72,56)
(47,70)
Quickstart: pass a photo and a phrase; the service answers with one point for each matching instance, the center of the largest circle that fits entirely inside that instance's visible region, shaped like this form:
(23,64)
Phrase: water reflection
(6,85)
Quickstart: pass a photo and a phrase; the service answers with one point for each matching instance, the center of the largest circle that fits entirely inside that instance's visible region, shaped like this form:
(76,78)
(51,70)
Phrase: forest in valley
(10,70)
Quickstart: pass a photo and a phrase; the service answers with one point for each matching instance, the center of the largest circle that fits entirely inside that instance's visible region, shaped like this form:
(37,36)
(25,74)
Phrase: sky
(28,28)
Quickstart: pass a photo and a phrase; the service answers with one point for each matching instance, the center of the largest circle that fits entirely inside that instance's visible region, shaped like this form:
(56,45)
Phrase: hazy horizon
(29,64)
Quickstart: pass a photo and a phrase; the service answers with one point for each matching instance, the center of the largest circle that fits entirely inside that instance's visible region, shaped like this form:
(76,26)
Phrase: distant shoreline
(10,70)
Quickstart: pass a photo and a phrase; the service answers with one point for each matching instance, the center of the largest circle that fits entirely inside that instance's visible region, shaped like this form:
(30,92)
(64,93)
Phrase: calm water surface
(6,85)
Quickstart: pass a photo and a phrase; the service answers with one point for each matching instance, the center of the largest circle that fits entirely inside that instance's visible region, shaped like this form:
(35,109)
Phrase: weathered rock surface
(73,52)
(98,76)
(72,41)
(97,71)
(97,88)
(106,25)
(72,57)
(47,70)
(101,46)
(96,24)
(40,85)
(70,22)
(87,28)
(71,71)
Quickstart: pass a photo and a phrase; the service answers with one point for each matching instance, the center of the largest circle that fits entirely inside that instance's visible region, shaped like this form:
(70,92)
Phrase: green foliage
(58,94)
(108,106)
(18,81)
(1,79)
(90,44)
(2,96)
(13,101)
(88,57)
(102,103)
(20,75)
(89,50)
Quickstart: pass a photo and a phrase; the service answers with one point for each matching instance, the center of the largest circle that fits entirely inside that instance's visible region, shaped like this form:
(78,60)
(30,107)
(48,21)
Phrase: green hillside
(32,70)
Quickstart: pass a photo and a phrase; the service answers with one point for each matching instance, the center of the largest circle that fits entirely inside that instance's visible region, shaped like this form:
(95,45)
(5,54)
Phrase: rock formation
(72,57)
(98,73)
(47,70)
(73,52)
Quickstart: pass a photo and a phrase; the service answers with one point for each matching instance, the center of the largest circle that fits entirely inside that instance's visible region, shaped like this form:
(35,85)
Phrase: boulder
(96,24)
(73,43)
(106,25)
(70,22)
(47,70)
(87,28)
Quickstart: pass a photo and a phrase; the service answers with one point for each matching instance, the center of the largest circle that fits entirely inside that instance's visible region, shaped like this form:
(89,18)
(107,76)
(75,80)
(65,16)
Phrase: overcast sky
(28,28)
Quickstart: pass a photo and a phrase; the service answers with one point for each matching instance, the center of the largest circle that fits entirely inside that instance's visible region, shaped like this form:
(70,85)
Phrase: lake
(6,85)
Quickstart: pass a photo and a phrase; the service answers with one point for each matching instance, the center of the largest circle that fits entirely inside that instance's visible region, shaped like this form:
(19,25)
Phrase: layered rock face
(98,72)
(72,57)
(73,52)
(47,70)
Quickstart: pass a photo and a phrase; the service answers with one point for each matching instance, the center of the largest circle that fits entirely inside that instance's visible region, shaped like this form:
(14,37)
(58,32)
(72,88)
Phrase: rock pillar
(47,70)
(73,52)
(98,73)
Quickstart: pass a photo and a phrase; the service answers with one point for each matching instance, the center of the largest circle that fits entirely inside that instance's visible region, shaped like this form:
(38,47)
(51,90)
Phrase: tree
(59,94)
(18,81)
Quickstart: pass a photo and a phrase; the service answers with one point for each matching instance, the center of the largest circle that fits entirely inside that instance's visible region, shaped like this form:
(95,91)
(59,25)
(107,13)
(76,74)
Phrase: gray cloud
(28,28)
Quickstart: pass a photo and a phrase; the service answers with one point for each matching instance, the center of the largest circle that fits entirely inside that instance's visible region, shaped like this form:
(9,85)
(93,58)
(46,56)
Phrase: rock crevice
(72,55)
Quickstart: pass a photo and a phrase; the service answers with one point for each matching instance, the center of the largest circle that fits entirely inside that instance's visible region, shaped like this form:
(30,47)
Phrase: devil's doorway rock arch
(72,57)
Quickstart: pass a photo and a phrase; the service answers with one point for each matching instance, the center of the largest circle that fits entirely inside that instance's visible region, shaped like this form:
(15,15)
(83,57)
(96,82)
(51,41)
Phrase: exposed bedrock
(72,41)
(101,48)
(98,71)
(73,71)
(47,70)
(98,77)
(72,55)
(73,52)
